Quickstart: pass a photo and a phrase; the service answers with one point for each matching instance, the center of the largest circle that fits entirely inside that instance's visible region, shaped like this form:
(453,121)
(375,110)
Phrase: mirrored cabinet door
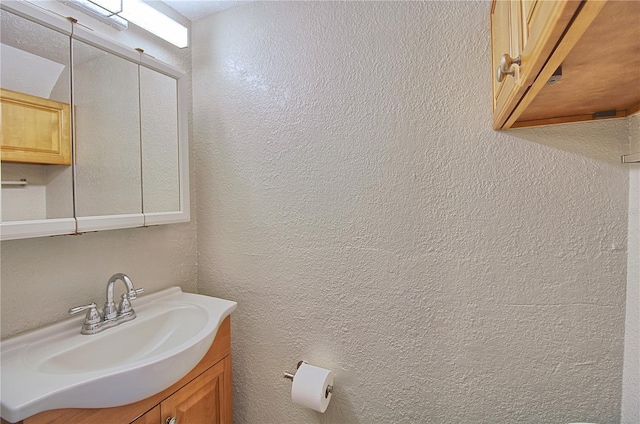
(94,133)
(35,91)
(159,131)
(107,138)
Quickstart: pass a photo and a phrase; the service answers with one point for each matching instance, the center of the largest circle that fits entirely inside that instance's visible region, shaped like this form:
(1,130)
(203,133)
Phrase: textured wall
(42,278)
(631,377)
(355,202)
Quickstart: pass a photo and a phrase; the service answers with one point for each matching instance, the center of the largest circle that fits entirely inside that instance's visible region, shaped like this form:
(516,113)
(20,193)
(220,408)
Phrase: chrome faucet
(95,322)
(125,311)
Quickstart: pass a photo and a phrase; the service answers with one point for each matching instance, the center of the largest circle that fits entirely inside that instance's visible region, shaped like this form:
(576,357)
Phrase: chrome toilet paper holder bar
(290,376)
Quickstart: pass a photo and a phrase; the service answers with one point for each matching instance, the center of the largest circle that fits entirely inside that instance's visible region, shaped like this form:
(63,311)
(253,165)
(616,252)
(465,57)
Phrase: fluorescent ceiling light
(96,10)
(114,6)
(138,13)
(146,17)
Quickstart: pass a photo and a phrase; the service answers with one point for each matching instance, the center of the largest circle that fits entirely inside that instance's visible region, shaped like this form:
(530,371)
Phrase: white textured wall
(631,377)
(42,278)
(355,202)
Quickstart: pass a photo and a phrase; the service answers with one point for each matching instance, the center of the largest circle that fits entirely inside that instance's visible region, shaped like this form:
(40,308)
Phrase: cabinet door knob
(506,66)
(171,420)
(499,74)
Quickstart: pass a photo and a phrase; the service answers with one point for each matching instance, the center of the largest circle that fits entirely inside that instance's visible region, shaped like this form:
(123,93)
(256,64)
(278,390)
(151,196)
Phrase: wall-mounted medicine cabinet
(94,134)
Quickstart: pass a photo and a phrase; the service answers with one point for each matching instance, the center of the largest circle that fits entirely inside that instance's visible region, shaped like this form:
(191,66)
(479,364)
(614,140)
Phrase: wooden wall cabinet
(204,395)
(34,129)
(595,42)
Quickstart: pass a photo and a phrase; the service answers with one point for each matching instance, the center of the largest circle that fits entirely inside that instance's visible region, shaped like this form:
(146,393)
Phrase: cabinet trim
(157,218)
(561,120)
(44,17)
(109,222)
(13,230)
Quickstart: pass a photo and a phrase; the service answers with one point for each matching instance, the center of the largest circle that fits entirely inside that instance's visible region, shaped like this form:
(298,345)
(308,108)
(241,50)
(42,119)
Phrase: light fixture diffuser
(119,12)
(96,10)
(148,18)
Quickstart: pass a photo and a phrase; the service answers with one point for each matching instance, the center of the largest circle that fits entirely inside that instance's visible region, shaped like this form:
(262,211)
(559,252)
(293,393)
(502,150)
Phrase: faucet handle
(133,293)
(92,317)
(125,304)
(77,309)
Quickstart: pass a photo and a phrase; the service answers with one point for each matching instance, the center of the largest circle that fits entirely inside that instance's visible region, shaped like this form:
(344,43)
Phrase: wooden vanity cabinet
(151,417)
(200,401)
(203,396)
(595,42)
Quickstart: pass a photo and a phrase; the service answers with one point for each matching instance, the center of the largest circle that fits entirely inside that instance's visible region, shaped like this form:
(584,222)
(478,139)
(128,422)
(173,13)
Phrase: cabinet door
(106,116)
(160,147)
(207,399)
(506,38)
(541,25)
(151,417)
(530,29)
(124,102)
(164,137)
(35,134)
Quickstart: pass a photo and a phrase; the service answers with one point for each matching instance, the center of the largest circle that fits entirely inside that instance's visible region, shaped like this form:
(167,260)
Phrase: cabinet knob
(499,74)
(171,420)
(506,66)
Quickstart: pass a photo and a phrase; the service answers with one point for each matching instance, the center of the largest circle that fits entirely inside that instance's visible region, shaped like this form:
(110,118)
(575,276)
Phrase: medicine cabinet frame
(11,230)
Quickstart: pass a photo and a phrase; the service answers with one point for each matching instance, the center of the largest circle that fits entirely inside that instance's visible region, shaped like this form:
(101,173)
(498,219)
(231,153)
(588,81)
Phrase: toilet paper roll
(309,388)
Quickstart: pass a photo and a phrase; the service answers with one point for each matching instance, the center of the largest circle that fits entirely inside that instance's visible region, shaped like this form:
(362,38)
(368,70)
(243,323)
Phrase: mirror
(107,133)
(125,113)
(35,82)
(159,121)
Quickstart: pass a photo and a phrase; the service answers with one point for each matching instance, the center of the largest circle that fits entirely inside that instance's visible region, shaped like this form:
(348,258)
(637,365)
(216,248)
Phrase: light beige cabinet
(204,395)
(595,44)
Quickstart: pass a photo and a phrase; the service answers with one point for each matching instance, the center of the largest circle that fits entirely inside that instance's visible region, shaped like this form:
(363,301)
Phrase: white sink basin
(57,367)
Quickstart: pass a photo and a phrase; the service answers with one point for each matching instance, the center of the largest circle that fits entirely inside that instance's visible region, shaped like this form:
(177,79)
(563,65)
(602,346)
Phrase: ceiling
(196,9)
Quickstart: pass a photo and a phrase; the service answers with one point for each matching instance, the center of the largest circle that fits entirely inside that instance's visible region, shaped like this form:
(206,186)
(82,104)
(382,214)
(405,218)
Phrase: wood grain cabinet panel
(34,129)
(201,401)
(528,30)
(595,43)
(205,400)
(151,417)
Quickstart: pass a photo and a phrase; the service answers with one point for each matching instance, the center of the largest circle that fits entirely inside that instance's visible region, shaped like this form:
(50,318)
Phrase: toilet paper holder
(290,376)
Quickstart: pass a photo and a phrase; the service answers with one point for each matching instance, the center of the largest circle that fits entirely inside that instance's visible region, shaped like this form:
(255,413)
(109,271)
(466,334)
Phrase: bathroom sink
(57,367)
